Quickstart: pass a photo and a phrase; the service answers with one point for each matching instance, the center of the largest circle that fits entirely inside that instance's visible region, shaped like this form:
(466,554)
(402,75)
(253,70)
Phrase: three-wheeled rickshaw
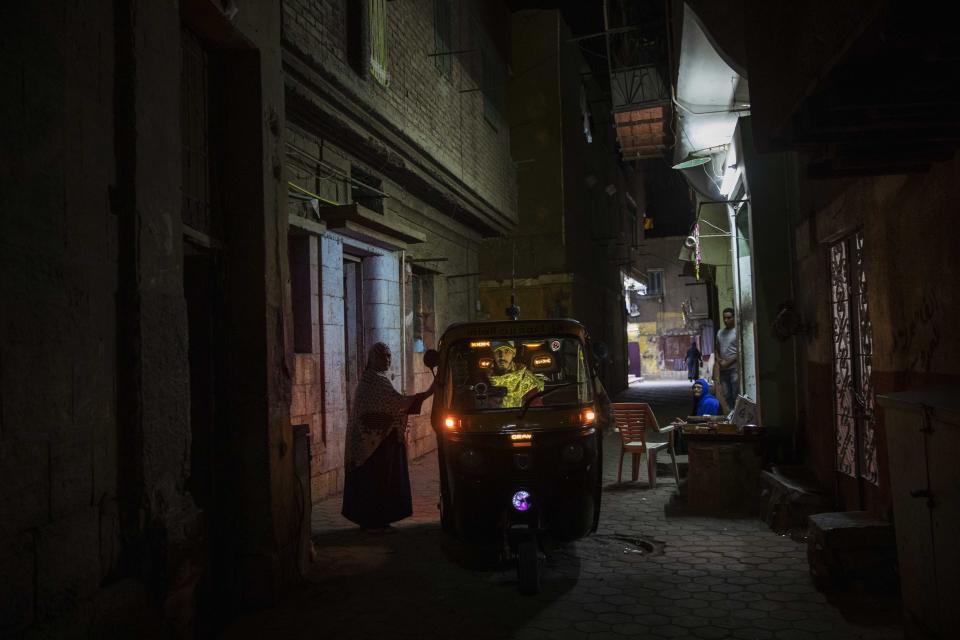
(517,414)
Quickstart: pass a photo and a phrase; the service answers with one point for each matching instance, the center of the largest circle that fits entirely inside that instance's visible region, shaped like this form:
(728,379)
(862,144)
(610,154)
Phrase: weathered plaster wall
(784,64)
(59,534)
(770,179)
(100,534)
(907,223)
(537,245)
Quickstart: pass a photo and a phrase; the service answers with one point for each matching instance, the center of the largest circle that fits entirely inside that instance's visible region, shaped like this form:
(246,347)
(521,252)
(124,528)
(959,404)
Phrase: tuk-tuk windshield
(493,374)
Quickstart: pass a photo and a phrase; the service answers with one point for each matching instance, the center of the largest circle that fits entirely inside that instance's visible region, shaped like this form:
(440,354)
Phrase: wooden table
(723,472)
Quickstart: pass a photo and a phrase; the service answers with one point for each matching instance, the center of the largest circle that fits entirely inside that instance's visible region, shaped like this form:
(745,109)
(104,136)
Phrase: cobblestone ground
(706,577)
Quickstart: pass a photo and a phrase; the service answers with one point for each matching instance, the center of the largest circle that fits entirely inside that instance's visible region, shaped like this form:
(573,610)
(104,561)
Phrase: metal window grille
(422,303)
(493,81)
(419,290)
(195,136)
(853,405)
(443,35)
(655,283)
(377,21)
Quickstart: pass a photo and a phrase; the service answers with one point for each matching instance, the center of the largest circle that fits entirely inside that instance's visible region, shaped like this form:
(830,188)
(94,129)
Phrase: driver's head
(503,355)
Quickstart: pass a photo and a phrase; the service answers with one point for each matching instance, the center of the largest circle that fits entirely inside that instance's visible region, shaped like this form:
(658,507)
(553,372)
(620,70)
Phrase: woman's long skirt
(378,492)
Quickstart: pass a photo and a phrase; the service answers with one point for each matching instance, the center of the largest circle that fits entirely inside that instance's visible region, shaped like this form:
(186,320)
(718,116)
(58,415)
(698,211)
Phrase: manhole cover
(624,546)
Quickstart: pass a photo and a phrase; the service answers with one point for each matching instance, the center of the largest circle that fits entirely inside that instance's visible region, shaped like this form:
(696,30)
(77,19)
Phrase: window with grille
(655,282)
(196,198)
(421,323)
(443,35)
(493,83)
(422,303)
(377,23)
(853,397)
(354,353)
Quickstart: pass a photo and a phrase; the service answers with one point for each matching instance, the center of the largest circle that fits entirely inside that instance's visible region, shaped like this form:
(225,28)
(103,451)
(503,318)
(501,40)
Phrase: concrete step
(852,549)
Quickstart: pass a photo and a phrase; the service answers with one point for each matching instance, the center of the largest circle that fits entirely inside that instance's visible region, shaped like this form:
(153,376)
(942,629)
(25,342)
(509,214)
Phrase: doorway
(352,323)
(853,398)
(204,305)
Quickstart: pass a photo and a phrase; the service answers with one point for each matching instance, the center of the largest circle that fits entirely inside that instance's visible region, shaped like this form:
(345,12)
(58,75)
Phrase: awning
(710,98)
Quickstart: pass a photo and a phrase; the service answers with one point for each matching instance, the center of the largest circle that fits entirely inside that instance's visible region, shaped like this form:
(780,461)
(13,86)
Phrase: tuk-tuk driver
(512,375)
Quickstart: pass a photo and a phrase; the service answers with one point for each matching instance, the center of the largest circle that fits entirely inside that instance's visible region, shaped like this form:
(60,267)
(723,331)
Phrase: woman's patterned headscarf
(379,411)
(377,357)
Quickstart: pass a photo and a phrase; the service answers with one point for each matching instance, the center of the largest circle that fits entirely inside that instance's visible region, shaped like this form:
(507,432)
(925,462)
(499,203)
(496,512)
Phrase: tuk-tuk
(517,414)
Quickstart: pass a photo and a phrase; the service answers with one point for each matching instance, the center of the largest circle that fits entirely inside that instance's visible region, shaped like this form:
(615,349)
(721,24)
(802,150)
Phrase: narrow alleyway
(705,577)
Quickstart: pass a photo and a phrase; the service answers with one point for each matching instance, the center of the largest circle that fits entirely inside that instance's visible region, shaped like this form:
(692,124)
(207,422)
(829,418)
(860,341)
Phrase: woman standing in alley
(694,361)
(376,489)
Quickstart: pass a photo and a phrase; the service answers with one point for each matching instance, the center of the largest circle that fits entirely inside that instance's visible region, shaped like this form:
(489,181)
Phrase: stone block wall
(327,466)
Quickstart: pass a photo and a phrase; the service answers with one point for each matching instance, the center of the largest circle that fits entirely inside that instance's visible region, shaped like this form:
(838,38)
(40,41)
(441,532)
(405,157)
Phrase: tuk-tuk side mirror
(431,358)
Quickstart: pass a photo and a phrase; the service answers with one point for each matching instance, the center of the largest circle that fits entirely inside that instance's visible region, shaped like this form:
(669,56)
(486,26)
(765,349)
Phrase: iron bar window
(853,397)
(443,35)
(377,25)
(655,282)
(196,191)
(493,83)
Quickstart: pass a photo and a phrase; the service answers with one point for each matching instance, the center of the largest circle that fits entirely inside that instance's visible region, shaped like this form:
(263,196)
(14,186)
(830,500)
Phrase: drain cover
(632,546)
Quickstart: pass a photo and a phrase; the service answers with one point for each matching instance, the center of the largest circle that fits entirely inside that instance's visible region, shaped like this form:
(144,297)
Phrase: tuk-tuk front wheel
(528,567)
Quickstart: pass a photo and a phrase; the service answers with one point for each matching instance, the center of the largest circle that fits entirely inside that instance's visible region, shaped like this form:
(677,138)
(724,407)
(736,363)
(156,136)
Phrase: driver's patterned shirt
(518,383)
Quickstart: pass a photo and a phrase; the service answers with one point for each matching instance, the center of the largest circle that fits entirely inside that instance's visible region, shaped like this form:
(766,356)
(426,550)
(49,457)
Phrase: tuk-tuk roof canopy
(506,328)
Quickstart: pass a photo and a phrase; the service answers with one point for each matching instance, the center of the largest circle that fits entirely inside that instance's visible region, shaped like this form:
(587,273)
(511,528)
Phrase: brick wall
(419,101)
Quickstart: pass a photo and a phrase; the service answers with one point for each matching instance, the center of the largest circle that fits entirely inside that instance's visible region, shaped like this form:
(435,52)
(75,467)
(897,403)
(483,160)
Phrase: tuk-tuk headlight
(587,416)
(572,453)
(521,501)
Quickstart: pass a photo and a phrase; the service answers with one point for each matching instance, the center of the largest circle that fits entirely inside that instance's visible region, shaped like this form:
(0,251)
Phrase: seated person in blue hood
(706,404)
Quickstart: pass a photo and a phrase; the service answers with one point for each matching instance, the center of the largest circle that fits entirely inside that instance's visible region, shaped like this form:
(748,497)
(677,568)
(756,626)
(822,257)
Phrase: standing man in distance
(694,361)
(728,353)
